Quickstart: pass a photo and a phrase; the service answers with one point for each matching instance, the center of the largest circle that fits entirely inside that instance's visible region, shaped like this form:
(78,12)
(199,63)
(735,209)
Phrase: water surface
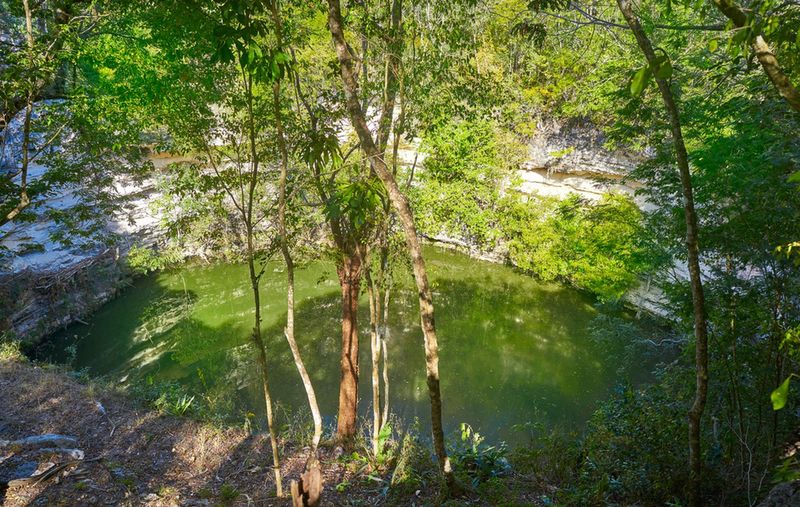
(512,349)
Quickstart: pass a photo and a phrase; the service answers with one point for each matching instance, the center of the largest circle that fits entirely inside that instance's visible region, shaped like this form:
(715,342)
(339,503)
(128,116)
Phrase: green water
(513,350)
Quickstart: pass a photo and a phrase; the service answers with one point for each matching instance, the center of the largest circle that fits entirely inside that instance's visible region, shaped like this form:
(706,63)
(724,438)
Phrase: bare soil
(137,456)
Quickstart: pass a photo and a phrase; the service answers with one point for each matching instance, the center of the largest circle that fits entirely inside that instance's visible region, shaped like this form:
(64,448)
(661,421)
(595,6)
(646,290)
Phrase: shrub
(599,247)
(474,459)
(10,350)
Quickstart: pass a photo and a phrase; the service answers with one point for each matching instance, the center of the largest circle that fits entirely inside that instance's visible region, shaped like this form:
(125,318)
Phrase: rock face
(35,304)
(786,494)
(572,158)
(578,148)
(51,285)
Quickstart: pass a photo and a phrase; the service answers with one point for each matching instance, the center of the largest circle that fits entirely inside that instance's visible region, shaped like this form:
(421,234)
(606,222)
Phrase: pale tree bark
(373,292)
(764,54)
(382,316)
(693,256)
(287,257)
(262,359)
(385,127)
(403,209)
(384,337)
(391,74)
(245,207)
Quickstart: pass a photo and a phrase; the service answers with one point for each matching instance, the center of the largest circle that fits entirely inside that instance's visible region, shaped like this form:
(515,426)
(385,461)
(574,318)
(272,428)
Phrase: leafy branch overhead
(660,68)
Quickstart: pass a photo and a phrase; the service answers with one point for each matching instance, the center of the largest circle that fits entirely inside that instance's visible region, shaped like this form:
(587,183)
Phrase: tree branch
(766,57)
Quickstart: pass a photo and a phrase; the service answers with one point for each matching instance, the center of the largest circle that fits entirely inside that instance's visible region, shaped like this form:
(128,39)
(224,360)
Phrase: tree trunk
(287,257)
(349,272)
(24,199)
(764,54)
(698,299)
(255,280)
(391,72)
(262,360)
(384,336)
(375,352)
(403,209)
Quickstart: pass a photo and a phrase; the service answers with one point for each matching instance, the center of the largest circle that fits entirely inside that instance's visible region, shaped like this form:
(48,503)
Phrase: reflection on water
(513,349)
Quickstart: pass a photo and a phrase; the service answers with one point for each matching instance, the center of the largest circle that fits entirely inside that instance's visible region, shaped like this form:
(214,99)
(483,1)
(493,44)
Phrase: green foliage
(10,350)
(469,165)
(228,493)
(239,37)
(639,80)
(476,460)
(466,193)
(598,247)
(550,456)
(477,78)
(357,203)
(75,123)
(660,68)
(787,471)
(633,451)
(296,426)
(142,260)
(166,396)
(386,453)
(414,469)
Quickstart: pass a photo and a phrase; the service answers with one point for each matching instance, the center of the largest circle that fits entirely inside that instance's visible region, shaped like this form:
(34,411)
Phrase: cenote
(513,350)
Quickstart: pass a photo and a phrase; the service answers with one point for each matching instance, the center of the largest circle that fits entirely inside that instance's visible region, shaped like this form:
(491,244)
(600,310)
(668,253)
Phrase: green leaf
(741,35)
(713,44)
(384,435)
(794,177)
(640,80)
(664,71)
(780,395)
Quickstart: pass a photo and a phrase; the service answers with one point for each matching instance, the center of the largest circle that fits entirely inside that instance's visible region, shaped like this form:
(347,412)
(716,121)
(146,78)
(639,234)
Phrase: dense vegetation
(292,118)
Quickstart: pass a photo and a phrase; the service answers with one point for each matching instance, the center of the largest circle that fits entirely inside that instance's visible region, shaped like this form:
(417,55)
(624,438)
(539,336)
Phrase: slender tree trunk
(349,272)
(384,336)
(287,257)
(400,203)
(255,280)
(373,293)
(262,360)
(391,73)
(24,199)
(698,299)
(764,54)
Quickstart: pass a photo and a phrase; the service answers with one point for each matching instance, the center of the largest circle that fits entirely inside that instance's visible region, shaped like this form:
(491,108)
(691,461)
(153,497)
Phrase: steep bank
(46,285)
(36,303)
(130,455)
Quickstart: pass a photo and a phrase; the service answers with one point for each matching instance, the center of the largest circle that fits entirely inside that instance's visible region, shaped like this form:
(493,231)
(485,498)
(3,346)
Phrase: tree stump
(307,491)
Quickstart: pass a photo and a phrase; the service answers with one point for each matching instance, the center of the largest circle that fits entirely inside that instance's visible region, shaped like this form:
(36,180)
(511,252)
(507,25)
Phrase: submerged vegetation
(284,134)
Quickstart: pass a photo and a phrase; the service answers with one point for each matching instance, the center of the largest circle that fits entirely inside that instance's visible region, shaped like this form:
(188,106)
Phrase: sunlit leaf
(640,80)
(780,395)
